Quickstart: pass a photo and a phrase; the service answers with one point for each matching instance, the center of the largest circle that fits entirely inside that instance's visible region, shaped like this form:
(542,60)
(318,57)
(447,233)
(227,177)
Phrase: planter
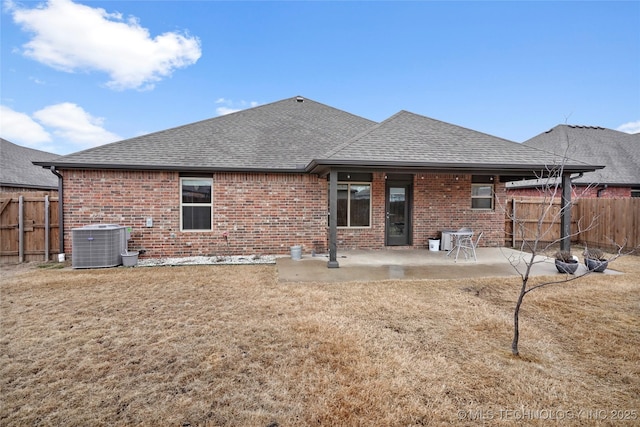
(434,245)
(597,265)
(566,267)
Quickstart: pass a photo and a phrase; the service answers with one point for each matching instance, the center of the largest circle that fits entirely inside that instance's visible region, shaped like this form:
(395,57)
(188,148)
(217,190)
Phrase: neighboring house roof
(16,169)
(301,135)
(409,140)
(619,152)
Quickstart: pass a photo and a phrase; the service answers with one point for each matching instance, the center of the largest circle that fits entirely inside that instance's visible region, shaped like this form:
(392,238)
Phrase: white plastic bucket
(434,245)
(296,252)
(130,259)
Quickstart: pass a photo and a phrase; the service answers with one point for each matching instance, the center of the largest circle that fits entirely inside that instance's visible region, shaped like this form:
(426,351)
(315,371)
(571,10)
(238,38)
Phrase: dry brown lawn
(228,345)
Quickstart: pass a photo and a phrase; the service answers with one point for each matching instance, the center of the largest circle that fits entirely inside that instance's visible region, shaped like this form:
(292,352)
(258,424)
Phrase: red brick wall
(269,213)
(125,198)
(611,192)
(261,213)
(444,202)
(439,202)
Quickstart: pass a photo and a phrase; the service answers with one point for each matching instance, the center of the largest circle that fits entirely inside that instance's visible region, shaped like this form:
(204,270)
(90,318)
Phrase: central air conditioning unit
(98,246)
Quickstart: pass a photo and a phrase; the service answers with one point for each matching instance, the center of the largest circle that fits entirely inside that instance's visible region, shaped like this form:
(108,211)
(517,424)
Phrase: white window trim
(492,197)
(196,204)
(356,227)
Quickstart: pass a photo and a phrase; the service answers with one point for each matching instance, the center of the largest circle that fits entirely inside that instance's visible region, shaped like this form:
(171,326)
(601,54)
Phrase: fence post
(21,229)
(46,228)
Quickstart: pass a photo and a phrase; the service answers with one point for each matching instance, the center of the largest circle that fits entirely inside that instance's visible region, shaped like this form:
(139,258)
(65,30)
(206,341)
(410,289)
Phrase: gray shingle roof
(618,151)
(16,169)
(408,138)
(283,135)
(298,134)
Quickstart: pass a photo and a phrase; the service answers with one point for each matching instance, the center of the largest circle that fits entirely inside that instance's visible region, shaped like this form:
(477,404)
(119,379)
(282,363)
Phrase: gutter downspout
(60,208)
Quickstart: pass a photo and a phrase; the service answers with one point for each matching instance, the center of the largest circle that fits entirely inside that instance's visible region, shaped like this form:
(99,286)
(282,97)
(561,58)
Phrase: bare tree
(538,241)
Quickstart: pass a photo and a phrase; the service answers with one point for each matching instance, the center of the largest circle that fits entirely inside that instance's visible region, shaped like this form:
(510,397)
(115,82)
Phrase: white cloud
(232,106)
(630,127)
(73,124)
(74,37)
(21,129)
(37,81)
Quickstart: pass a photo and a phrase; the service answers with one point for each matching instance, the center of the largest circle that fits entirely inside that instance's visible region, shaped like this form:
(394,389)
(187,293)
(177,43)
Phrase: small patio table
(461,239)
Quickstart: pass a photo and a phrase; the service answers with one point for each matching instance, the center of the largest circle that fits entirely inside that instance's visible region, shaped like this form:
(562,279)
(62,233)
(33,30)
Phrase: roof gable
(283,135)
(411,138)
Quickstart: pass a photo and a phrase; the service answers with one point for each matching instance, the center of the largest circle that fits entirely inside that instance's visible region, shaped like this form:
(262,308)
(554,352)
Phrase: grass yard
(228,345)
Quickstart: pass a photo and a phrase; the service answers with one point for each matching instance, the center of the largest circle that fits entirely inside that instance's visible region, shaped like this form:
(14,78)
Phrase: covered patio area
(413,264)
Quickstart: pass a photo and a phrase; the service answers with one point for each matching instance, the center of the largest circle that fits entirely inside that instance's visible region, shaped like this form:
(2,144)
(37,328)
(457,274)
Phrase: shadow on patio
(411,264)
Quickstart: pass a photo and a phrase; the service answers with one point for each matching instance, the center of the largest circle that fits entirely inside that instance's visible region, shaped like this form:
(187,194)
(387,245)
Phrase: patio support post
(333,219)
(565,218)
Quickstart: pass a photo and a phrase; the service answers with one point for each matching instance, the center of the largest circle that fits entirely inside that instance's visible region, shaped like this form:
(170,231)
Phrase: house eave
(513,171)
(508,172)
(173,168)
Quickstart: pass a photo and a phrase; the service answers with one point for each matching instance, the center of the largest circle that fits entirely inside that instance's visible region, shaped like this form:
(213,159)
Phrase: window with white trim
(196,204)
(482,192)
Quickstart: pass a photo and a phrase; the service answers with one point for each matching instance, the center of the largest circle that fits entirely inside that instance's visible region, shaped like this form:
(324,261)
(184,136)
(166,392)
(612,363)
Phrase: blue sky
(84,73)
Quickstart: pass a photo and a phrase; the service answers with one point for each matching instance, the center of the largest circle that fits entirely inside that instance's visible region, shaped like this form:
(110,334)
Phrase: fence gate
(29,227)
(523,221)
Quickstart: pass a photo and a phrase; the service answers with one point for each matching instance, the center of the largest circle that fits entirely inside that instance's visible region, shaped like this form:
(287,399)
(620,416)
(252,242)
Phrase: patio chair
(468,244)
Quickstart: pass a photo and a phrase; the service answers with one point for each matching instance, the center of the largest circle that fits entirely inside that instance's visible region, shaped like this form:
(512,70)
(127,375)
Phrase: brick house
(619,152)
(296,172)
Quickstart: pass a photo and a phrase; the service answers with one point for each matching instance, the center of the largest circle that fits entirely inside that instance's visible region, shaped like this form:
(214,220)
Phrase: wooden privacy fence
(595,222)
(616,221)
(29,227)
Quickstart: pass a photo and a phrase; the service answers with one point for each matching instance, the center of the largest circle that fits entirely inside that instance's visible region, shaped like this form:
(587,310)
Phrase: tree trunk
(516,314)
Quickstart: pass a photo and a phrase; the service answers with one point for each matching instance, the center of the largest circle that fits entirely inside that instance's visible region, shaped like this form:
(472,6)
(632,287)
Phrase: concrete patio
(413,264)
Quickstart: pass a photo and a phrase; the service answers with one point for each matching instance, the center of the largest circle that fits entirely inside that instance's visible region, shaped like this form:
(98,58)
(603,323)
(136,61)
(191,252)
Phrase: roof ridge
(173,128)
(350,141)
(590,127)
(462,127)
(297,98)
(400,113)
